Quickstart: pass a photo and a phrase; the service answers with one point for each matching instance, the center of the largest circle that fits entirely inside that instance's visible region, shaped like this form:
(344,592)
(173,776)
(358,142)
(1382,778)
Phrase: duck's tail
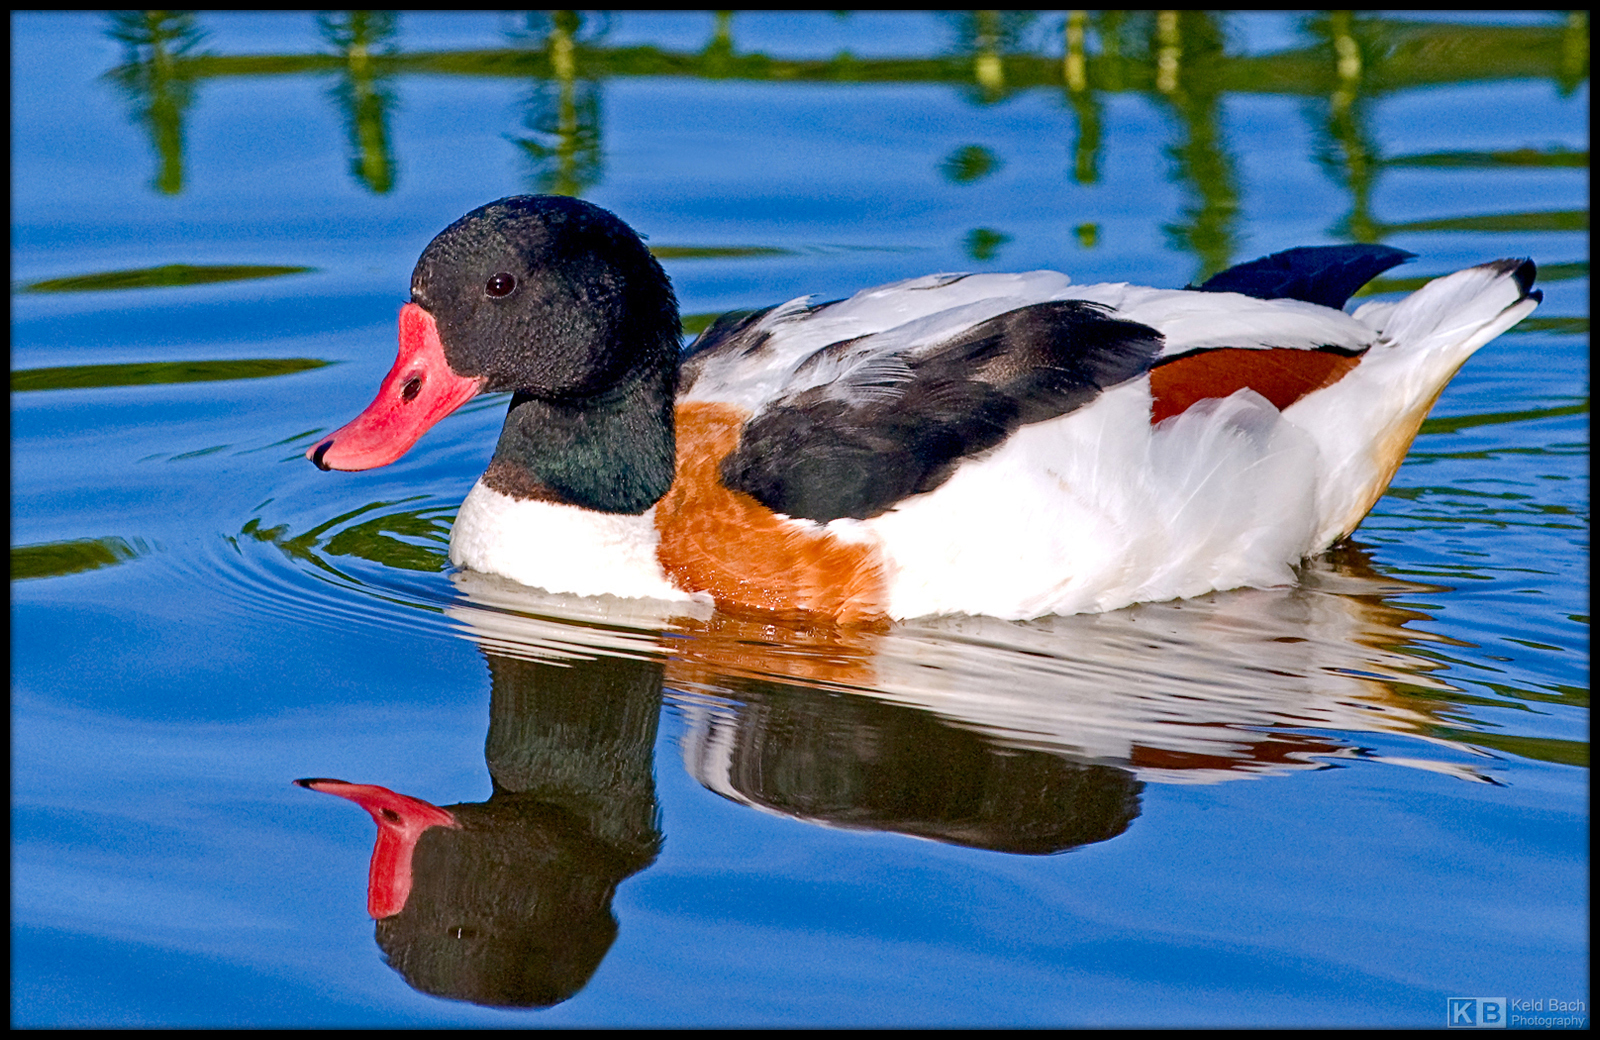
(1459,312)
(1364,424)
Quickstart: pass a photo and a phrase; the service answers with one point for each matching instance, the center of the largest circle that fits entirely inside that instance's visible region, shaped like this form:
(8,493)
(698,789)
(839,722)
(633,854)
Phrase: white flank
(560,548)
(1097,510)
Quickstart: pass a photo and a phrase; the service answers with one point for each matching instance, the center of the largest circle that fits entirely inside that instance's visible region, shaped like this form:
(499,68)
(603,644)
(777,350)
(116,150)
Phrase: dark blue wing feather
(1325,275)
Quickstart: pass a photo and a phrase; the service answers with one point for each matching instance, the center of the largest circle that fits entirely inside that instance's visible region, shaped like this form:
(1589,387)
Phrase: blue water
(1338,804)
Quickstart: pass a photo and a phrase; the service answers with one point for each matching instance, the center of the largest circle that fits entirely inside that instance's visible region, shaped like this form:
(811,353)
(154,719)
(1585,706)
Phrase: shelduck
(1004,444)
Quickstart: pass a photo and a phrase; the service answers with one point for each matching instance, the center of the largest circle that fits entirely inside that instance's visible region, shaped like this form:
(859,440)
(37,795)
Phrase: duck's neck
(612,452)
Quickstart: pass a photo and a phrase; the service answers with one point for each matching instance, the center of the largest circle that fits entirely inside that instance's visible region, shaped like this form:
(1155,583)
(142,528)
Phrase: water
(1341,803)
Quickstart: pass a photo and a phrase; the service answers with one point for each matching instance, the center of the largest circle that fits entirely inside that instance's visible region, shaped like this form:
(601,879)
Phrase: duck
(1012,445)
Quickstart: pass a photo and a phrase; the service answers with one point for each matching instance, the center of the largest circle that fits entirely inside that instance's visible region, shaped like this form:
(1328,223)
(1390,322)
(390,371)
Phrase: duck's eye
(412,388)
(500,285)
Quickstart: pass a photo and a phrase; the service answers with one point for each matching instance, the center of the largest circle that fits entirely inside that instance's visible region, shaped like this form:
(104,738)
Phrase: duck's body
(1013,445)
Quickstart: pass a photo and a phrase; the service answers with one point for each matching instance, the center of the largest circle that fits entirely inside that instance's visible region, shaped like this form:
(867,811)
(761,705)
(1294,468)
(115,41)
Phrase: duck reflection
(793,728)
(1221,687)
(860,764)
(1024,738)
(508,902)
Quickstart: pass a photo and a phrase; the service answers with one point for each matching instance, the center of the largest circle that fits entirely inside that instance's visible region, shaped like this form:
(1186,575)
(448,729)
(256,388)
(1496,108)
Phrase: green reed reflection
(970,163)
(410,540)
(1554,220)
(165,276)
(1452,423)
(1179,59)
(1547,273)
(1189,59)
(715,252)
(1345,149)
(55,559)
(984,243)
(562,113)
(1085,106)
(156,78)
(1553,159)
(152,373)
(364,94)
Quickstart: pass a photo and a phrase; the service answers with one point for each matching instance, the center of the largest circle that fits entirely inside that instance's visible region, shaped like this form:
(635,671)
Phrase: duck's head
(550,297)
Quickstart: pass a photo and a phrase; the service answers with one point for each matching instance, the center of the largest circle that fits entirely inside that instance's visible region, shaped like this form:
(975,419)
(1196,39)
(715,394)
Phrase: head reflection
(507,902)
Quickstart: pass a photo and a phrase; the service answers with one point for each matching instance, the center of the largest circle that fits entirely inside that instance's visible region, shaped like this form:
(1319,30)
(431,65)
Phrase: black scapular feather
(822,455)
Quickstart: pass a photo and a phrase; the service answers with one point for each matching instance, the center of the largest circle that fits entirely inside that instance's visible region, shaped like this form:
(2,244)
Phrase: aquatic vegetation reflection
(1182,60)
(156,80)
(365,93)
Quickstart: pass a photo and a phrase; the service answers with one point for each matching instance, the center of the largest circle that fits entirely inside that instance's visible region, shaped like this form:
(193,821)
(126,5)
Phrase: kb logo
(1476,1013)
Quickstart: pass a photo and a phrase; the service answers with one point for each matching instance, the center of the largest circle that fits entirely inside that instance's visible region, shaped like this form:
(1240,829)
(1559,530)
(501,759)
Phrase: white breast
(560,548)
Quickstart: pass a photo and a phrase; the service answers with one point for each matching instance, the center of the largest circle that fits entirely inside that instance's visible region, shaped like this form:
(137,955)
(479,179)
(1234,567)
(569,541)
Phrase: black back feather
(821,455)
(728,326)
